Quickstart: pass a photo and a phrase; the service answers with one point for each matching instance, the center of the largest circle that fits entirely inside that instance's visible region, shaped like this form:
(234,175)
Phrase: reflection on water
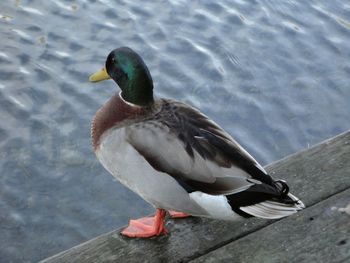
(274,74)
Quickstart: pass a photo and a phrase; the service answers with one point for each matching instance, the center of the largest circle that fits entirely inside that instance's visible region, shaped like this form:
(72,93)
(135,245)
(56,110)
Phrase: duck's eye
(113,60)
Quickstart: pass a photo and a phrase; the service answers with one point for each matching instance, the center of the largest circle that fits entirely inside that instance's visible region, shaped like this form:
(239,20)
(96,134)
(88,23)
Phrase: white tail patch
(273,209)
(216,206)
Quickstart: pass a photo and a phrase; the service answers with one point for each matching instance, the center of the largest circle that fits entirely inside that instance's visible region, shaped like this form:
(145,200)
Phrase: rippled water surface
(275,74)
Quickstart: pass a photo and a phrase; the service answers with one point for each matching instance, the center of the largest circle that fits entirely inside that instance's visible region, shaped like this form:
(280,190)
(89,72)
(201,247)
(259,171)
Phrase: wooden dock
(320,176)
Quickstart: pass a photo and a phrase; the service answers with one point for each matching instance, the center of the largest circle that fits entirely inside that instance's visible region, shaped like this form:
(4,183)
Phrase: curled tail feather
(266,201)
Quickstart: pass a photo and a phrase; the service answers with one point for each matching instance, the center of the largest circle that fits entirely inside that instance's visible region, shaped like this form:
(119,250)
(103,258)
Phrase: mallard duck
(175,157)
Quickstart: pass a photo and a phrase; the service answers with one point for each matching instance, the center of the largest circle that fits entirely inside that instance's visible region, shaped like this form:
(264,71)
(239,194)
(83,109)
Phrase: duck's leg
(147,226)
(175,214)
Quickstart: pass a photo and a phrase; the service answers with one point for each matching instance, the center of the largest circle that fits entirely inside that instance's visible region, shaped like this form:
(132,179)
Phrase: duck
(175,157)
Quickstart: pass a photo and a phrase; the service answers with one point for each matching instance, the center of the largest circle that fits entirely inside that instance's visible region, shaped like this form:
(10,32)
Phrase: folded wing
(185,144)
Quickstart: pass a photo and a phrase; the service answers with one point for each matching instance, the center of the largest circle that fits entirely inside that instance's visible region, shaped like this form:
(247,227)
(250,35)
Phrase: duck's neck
(138,88)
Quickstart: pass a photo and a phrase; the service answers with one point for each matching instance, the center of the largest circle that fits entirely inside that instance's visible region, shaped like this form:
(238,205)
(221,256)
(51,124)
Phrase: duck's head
(131,74)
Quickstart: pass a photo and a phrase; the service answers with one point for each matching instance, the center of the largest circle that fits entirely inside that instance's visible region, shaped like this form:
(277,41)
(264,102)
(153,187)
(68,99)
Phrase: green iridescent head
(131,74)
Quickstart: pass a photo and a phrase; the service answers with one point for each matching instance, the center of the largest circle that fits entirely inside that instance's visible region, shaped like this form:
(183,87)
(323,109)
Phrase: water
(275,74)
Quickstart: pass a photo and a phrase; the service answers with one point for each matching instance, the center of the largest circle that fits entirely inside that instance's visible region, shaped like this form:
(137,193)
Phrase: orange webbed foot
(175,214)
(147,226)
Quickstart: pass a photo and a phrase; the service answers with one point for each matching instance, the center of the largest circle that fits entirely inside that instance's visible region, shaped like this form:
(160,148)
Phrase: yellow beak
(99,75)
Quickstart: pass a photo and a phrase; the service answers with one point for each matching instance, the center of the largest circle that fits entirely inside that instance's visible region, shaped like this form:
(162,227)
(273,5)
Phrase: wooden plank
(318,234)
(313,175)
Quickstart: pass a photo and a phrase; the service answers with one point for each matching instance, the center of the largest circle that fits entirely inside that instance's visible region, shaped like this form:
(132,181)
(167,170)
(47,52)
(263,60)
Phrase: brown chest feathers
(113,112)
